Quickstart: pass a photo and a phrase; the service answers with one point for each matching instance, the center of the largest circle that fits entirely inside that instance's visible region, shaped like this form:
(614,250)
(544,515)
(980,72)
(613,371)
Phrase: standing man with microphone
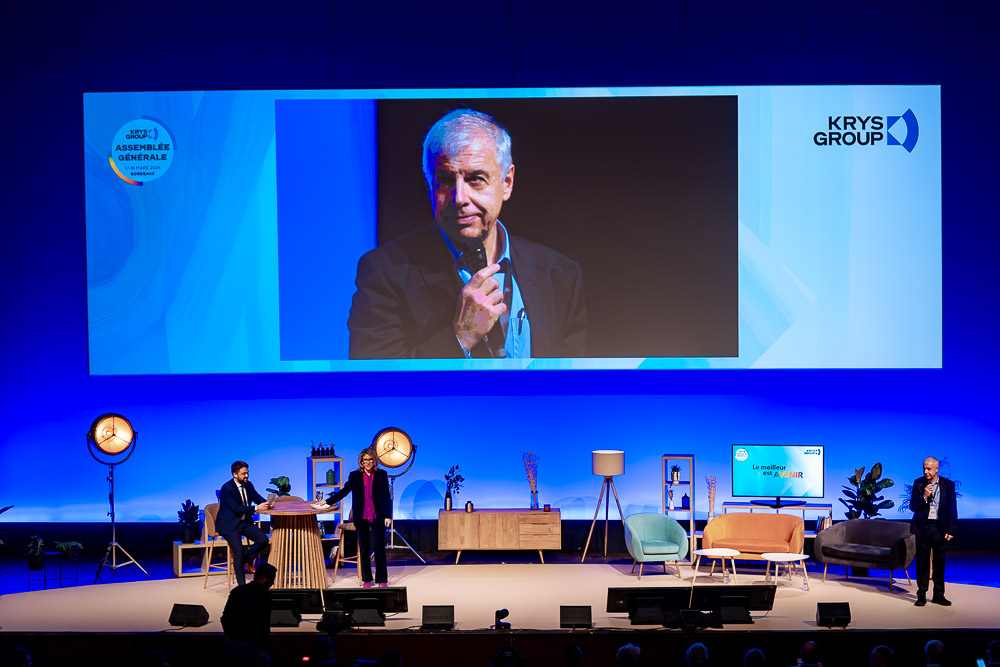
(935,518)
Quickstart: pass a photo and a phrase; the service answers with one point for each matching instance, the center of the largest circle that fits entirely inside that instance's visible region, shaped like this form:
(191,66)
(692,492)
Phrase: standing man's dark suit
(933,535)
(235,519)
(408,288)
(371,534)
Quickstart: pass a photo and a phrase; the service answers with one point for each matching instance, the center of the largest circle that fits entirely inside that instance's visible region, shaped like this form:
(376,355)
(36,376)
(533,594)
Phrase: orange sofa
(754,534)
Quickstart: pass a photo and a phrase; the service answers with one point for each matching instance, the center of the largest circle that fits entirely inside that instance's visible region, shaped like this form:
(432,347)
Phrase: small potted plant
(69,550)
(282,486)
(189,521)
(675,474)
(453,481)
(36,549)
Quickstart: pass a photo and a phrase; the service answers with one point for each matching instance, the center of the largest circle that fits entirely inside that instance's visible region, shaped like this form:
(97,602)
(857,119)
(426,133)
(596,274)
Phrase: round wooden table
(296,548)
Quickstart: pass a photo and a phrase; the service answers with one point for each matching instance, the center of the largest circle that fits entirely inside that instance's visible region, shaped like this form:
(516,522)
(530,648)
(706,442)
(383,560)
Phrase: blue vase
(534,500)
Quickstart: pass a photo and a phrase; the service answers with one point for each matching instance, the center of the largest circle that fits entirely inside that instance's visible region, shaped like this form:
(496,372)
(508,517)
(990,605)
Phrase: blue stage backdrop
(930,388)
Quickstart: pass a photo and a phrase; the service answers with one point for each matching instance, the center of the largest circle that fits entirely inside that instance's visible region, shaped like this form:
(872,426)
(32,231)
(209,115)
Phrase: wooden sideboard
(499,529)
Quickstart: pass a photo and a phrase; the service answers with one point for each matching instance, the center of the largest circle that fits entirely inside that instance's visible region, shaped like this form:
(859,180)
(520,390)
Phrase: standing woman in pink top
(372,507)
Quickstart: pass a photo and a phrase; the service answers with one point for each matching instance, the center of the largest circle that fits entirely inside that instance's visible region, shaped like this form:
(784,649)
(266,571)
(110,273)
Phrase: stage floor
(532,593)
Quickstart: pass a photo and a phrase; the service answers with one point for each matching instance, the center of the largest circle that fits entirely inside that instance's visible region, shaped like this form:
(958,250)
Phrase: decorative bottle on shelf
(670,500)
(331,477)
(685,502)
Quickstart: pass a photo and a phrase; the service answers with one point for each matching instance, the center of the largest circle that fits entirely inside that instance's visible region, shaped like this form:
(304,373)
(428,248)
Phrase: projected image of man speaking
(463,287)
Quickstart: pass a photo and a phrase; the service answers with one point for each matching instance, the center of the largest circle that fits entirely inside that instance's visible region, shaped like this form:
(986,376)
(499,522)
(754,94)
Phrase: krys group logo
(900,130)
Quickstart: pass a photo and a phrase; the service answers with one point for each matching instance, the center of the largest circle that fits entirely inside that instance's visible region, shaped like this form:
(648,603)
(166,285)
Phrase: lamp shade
(608,462)
(111,434)
(393,447)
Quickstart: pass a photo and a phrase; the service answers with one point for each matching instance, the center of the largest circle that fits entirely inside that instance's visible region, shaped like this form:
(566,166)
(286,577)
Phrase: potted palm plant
(189,521)
(69,550)
(36,550)
(283,486)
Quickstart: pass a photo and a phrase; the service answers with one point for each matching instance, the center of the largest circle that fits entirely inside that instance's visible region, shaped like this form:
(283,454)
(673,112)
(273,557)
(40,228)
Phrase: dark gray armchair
(884,545)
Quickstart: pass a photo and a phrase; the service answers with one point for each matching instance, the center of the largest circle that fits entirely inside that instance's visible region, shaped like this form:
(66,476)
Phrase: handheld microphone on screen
(476,261)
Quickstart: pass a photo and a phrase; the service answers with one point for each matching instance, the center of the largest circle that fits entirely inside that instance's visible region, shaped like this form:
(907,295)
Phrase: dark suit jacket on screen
(947,518)
(408,289)
(231,506)
(356,487)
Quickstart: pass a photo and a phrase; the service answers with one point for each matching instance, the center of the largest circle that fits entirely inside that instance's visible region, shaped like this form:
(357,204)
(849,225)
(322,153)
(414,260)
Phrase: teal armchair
(656,538)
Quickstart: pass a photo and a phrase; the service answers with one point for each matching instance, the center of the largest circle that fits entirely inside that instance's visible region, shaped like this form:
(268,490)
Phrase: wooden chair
(340,557)
(212,538)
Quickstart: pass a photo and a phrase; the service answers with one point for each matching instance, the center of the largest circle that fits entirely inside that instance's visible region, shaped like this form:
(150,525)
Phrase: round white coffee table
(789,560)
(714,555)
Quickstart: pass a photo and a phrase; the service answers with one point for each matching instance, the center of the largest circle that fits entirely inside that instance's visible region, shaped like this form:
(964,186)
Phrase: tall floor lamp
(113,436)
(608,463)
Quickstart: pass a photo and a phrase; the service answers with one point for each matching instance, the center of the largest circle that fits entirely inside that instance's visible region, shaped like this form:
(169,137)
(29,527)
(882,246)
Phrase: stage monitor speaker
(194,615)
(575,616)
(833,614)
(437,617)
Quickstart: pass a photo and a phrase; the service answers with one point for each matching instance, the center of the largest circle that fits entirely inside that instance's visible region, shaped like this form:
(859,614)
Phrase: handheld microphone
(475,259)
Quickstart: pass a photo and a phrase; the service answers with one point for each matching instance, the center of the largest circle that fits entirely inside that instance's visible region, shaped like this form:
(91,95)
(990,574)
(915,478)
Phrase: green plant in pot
(282,486)
(36,550)
(863,501)
(189,521)
(69,550)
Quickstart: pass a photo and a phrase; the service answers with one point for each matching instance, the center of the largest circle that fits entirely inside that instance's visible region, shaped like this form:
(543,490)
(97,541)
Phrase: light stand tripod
(394,448)
(114,547)
(608,487)
(392,525)
(113,436)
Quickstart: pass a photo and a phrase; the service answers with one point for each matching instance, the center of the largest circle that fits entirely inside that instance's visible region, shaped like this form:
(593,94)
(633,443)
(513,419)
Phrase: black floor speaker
(194,615)
(833,614)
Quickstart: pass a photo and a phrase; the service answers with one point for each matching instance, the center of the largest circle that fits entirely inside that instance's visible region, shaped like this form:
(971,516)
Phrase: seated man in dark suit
(235,519)
(246,619)
(463,287)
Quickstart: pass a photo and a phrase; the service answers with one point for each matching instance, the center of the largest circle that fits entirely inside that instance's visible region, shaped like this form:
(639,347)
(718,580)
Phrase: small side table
(789,560)
(47,558)
(714,555)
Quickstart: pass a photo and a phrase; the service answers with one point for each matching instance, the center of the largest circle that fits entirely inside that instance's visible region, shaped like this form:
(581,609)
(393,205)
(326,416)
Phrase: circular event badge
(142,151)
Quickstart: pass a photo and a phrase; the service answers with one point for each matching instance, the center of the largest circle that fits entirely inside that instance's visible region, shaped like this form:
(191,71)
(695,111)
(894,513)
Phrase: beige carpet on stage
(532,593)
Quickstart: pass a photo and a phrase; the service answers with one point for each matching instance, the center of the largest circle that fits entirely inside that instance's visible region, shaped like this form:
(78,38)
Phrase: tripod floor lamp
(112,436)
(608,463)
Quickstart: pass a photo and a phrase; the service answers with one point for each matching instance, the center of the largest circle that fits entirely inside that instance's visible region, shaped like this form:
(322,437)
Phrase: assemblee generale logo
(141,151)
(870,131)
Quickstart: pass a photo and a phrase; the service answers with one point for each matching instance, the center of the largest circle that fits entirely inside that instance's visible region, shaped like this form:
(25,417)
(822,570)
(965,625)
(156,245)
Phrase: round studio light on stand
(114,439)
(607,463)
(394,449)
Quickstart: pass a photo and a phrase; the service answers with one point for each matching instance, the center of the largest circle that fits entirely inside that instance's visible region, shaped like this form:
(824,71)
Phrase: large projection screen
(731,227)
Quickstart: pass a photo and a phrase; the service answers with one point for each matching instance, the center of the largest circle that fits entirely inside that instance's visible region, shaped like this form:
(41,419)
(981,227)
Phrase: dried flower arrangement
(531,470)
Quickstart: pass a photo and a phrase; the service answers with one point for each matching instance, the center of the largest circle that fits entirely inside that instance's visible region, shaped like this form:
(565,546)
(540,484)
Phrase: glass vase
(534,500)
